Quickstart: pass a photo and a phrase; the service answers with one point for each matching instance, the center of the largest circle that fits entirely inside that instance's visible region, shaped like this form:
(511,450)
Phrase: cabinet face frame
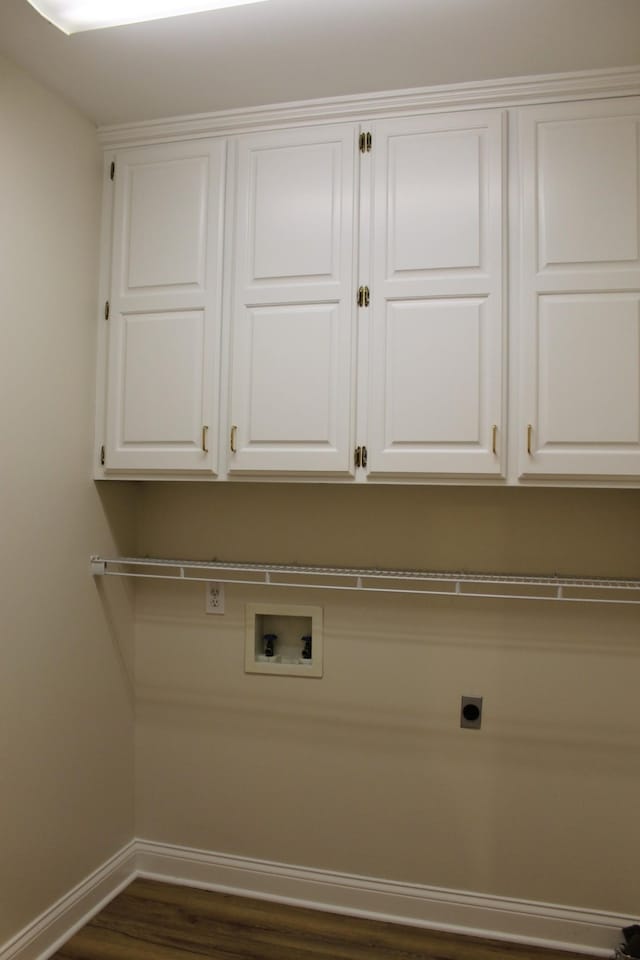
(578,387)
(187,308)
(104,287)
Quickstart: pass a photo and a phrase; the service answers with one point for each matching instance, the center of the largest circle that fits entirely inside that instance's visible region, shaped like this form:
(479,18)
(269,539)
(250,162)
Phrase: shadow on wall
(590,532)
(116,595)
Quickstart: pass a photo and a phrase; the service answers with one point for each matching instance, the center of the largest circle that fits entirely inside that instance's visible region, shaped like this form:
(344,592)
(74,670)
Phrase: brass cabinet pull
(363,297)
(360,457)
(232,438)
(205,448)
(529,438)
(494,439)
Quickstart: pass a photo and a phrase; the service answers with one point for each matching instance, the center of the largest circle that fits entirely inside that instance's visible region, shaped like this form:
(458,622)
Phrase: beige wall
(366,770)
(65,695)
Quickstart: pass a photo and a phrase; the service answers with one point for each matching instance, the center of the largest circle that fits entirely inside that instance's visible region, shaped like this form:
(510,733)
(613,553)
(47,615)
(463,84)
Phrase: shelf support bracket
(98,567)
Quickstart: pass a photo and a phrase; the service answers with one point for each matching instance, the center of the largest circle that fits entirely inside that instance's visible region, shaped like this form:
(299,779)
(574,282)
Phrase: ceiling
(287,50)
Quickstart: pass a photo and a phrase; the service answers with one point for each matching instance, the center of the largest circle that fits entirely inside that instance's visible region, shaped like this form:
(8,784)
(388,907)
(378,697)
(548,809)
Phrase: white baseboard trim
(500,918)
(520,921)
(49,931)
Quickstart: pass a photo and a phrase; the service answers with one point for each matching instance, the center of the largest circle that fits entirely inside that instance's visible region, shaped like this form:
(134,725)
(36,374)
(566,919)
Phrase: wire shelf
(429,583)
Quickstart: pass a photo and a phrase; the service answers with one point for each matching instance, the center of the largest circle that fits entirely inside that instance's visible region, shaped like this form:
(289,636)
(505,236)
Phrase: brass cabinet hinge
(112,170)
(366,142)
(363,297)
(102,456)
(107,309)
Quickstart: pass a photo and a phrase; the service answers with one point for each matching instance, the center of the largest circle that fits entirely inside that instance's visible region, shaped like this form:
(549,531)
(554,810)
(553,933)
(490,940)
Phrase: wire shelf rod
(370,580)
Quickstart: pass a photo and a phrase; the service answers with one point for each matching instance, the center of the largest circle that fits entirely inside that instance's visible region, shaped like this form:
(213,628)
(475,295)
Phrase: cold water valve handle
(269,644)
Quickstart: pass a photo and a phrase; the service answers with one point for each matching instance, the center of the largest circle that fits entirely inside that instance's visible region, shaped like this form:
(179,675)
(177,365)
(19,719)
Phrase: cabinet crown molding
(505,92)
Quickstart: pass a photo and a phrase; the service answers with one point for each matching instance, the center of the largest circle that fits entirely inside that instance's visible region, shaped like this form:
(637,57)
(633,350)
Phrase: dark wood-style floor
(160,921)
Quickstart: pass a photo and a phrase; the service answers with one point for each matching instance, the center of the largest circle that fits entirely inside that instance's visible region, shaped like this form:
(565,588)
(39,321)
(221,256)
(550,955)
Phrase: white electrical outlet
(214,598)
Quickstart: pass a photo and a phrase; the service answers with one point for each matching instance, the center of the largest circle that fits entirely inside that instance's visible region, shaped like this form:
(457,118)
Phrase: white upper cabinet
(436,337)
(164,308)
(434,321)
(580,290)
(362,333)
(292,318)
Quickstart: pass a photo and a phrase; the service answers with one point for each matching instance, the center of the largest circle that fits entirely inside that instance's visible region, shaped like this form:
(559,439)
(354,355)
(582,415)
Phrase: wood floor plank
(160,921)
(266,928)
(92,943)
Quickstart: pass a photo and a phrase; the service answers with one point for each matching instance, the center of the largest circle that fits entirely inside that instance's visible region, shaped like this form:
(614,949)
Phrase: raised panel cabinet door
(165,306)
(436,338)
(293,332)
(579,290)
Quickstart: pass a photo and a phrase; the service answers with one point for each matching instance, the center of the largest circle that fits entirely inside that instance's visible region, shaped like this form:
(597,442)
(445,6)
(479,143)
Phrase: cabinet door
(580,290)
(164,326)
(292,374)
(436,339)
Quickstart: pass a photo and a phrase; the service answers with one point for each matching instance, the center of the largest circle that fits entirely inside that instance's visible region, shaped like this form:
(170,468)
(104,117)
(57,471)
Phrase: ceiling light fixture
(75,16)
